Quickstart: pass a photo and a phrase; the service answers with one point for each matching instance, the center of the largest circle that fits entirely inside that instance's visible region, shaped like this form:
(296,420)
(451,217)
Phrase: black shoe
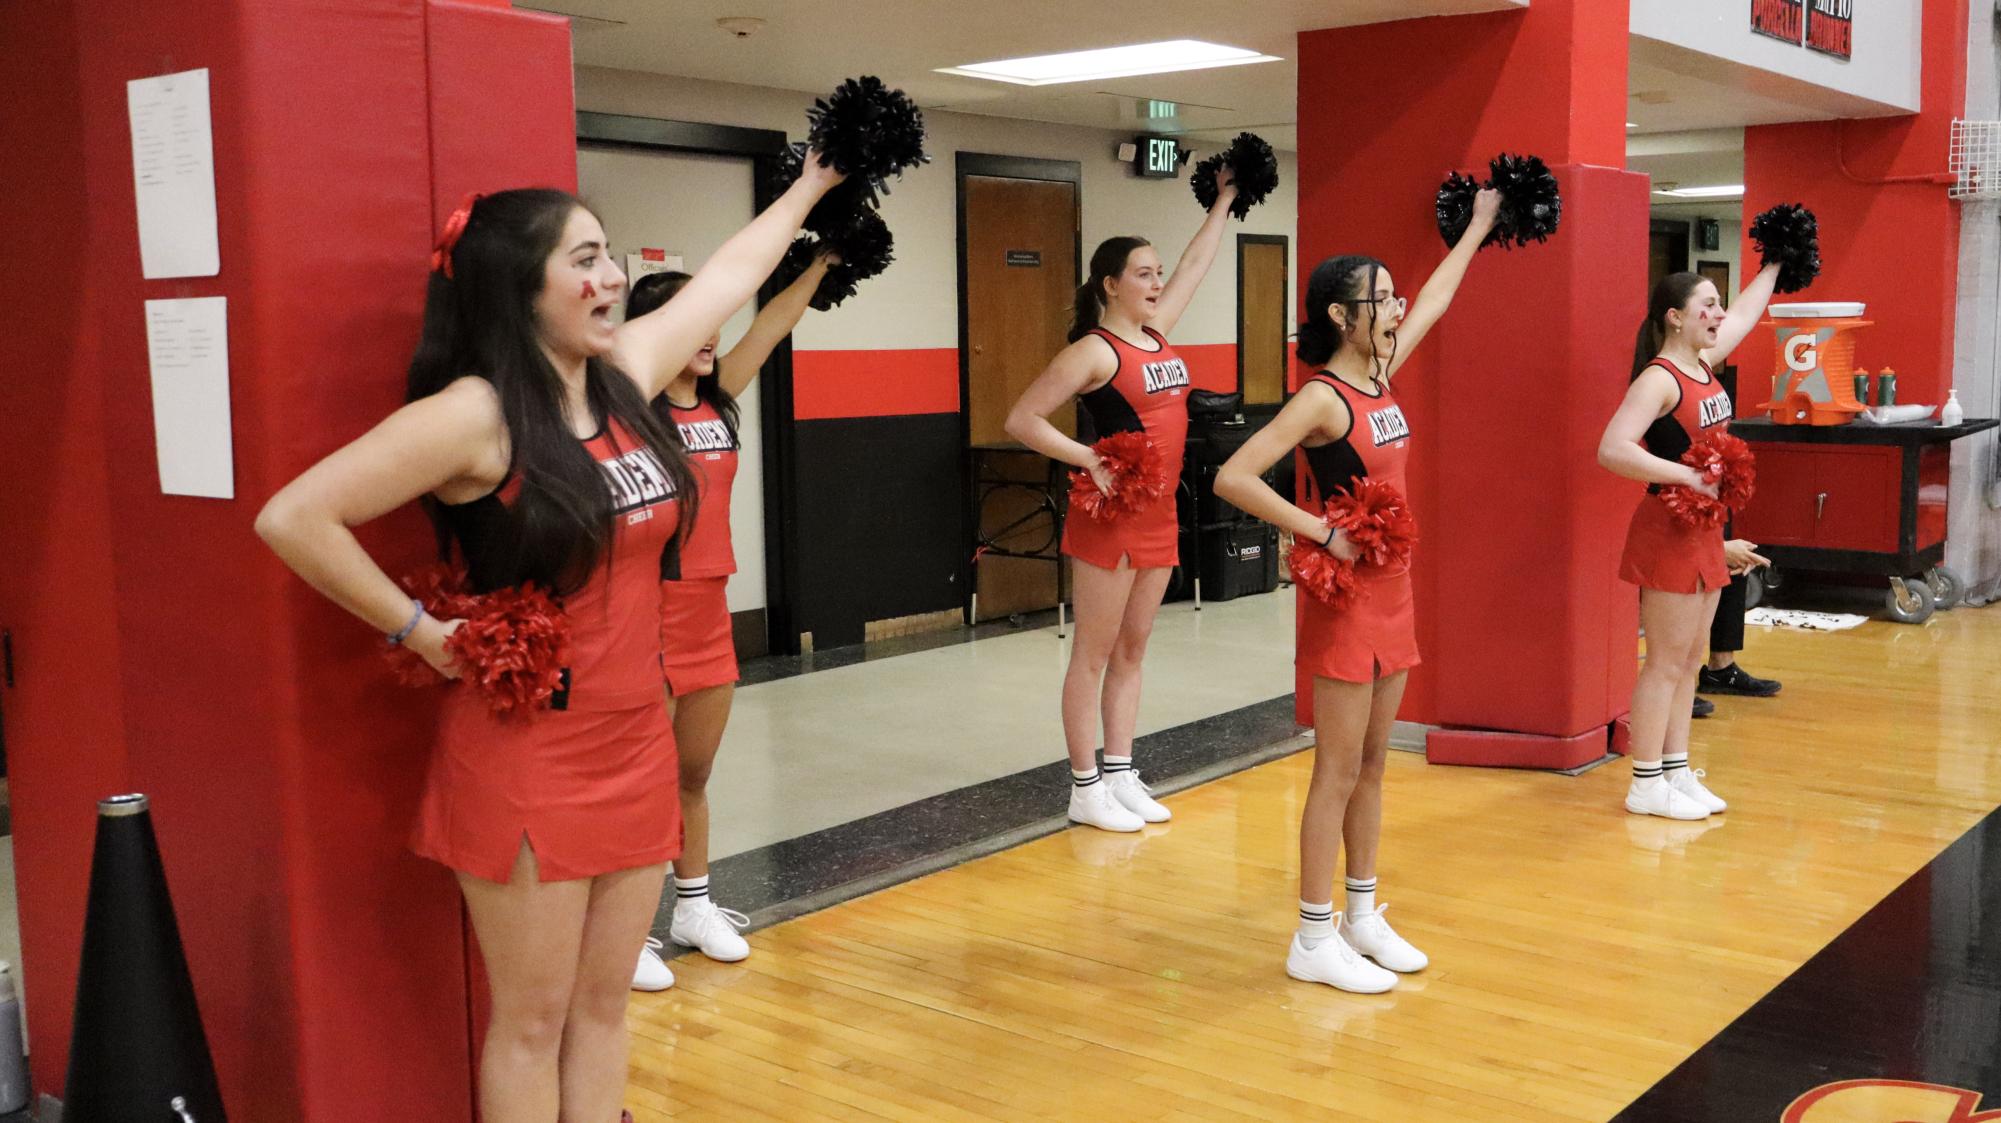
(1733,679)
(1703,707)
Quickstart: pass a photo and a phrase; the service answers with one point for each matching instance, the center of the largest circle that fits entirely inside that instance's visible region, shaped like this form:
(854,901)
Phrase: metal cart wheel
(1909,600)
(1948,588)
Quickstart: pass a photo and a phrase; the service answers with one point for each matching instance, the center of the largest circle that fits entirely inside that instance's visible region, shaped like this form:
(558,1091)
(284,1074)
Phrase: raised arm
(656,347)
(1648,399)
(1315,409)
(774,322)
(1196,259)
(1436,295)
(1086,363)
(1743,316)
(453,442)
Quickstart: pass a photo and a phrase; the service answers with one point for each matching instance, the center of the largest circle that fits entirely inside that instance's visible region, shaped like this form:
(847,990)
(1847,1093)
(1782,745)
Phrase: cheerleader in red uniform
(1675,399)
(1120,367)
(529,437)
(1346,419)
(699,649)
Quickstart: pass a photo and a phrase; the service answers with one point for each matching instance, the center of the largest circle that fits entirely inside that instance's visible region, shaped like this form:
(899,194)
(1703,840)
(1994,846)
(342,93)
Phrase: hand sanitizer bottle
(1951,413)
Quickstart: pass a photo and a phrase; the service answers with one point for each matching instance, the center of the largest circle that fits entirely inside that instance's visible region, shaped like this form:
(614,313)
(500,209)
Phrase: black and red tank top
(1700,406)
(712,453)
(1377,445)
(1148,393)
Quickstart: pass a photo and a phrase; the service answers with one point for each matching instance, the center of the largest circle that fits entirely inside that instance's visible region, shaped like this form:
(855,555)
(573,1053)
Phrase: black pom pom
(1254,170)
(1531,204)
(1455,208)
(865,248)
(1788,235)
(868,132)
(835,207)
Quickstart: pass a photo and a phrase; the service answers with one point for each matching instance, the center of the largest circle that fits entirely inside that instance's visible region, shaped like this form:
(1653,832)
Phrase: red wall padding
(163,648)
(1515,384)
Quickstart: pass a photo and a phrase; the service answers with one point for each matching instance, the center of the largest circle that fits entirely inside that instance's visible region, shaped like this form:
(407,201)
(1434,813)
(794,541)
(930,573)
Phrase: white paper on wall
(173,174)
(187,346)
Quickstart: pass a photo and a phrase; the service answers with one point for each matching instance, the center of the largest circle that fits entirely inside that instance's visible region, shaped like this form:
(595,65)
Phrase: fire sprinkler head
(741,27)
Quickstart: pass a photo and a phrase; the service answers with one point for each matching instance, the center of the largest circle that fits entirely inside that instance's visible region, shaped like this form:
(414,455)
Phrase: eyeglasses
(1397,303)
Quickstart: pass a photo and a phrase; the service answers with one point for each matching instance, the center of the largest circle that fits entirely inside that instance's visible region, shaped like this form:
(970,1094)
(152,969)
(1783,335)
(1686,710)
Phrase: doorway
(1019,267)
(1263,317)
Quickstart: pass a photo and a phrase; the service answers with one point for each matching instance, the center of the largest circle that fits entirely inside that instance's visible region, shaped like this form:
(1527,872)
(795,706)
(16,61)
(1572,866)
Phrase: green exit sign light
(1157,157)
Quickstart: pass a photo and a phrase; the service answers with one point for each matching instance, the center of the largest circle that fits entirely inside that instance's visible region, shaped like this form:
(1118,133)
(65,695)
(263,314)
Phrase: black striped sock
(1671,762)
(1083,779)
(691,889)
(1646,770)
(1115,764)
(1316,922)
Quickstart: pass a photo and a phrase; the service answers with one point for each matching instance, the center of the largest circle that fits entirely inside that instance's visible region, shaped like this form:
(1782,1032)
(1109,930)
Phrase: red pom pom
(1139,478)
(1377,519)
(1325,577)
(442,588)
(512,649)
(1725,461)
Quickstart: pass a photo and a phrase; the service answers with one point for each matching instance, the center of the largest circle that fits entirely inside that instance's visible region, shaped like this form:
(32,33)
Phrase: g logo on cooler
(1803,352)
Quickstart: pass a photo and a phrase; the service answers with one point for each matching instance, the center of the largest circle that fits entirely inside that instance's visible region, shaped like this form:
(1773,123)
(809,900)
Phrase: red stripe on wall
(1211,366)
(829,384)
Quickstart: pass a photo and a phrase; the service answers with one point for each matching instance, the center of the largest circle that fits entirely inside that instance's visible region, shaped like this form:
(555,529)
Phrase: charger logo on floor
(1888,1101)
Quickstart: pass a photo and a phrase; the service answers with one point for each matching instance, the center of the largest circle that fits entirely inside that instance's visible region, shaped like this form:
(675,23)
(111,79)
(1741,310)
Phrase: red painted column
(1889,235)
(1527,635)
(159,646)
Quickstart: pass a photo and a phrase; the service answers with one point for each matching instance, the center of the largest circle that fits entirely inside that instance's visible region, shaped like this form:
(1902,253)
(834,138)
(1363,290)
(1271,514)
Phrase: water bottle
(1951,413)
(13,1051)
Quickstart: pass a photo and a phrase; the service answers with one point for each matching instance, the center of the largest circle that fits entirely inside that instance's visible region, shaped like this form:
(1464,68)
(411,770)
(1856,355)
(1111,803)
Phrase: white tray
(1826,309)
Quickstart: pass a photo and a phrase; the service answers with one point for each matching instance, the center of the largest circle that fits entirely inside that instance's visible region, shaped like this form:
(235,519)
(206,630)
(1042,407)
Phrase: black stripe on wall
(880,512)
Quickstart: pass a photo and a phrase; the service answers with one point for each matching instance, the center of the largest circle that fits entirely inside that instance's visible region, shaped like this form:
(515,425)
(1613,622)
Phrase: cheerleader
(1673,400)
(1345,418)
(529,437)
(1123,371)
(700,406)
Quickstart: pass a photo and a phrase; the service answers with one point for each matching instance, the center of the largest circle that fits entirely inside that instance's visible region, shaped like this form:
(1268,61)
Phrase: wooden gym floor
(1579,954)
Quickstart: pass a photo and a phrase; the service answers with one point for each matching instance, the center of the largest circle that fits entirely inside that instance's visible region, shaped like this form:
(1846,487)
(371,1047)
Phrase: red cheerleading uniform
(1148,393)
(592,782)
(1376,636)
(699,644)
(1661,554)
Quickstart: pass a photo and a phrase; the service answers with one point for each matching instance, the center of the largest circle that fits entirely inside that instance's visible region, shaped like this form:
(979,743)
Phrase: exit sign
(1157,157)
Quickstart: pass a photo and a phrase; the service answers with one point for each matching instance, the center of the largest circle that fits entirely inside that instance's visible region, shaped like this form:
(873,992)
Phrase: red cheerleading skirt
(1373,638)
(592,791)
(1664,556)
(1149,539)
(697,644)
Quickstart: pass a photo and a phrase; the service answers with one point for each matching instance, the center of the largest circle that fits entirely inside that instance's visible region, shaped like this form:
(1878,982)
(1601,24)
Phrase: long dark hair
(1670,293)
(1107,262)
(481,321)
(1348,280)
(654,290)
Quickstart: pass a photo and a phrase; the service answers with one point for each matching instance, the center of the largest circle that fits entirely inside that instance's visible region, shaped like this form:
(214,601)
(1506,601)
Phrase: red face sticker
(590,291)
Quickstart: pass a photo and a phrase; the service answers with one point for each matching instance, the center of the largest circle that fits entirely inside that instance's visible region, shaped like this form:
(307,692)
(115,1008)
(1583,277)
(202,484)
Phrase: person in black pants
(1726,636)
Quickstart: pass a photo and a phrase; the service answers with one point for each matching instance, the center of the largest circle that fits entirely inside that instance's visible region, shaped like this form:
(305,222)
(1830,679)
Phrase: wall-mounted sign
(1830,26)
(1030,259)
(1157,157)
(1780,19)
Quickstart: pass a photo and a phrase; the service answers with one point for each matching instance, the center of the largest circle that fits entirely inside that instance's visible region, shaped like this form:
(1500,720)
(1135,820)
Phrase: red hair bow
(441,257)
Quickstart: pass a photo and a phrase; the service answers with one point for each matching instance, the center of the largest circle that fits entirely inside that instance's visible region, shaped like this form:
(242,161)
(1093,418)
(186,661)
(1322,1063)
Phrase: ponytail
(1336,280)
(1670,294)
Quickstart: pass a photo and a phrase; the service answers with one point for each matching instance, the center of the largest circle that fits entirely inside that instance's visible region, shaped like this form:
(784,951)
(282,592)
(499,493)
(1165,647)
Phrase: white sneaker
(711,930)
(1133,795)
(1688,781)
(1369,934)
(1658,797)
(652,972)
(1094,806)
(1333,962)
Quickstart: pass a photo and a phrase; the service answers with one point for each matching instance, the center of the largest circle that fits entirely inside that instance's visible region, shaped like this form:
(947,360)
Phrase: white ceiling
(811,45)
(1672,89)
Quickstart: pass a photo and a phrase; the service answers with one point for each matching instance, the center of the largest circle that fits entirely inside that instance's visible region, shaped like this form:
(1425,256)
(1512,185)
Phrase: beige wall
(915,304)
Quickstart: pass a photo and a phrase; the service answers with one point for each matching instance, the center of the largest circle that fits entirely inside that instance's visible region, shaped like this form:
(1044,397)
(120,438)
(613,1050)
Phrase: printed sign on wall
(1830,26)
(1780,19)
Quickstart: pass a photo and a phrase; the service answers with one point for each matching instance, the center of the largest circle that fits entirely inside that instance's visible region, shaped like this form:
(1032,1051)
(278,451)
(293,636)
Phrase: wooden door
(1261,318)
(1021,281)
(1020,252)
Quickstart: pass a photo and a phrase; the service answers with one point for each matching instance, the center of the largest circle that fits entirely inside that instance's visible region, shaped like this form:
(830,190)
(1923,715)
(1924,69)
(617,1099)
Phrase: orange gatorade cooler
(1815,380)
